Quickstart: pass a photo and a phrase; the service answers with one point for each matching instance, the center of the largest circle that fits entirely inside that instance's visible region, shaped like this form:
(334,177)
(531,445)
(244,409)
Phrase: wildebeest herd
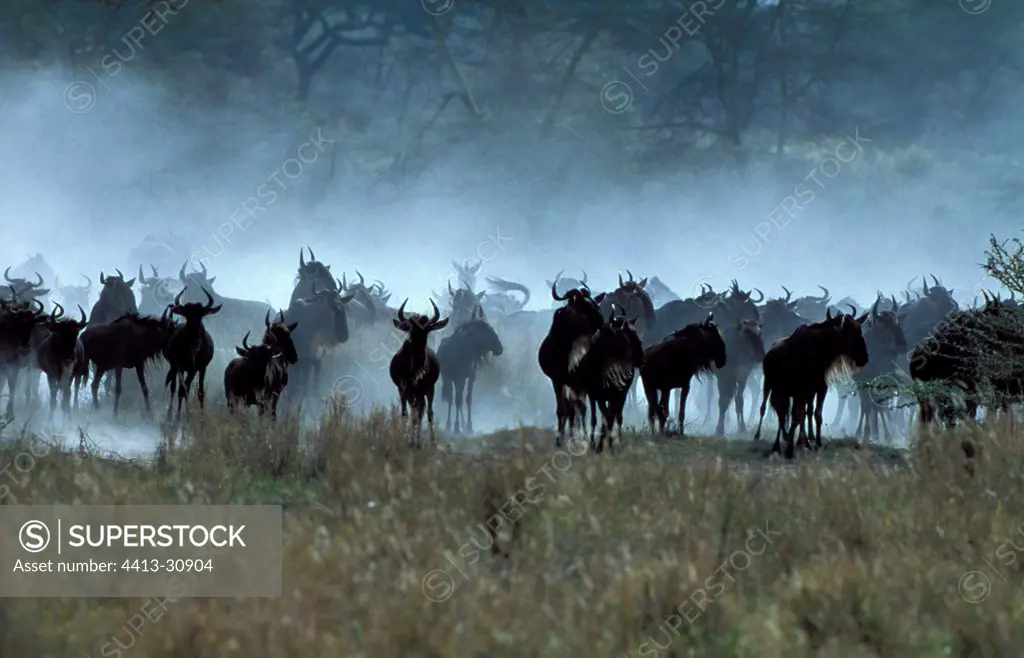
(951,361)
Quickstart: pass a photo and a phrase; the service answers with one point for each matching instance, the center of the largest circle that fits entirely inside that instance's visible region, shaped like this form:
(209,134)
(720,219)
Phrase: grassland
(702,546)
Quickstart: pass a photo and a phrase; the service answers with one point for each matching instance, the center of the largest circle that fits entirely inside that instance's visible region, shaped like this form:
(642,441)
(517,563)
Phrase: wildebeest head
(847,302)
(419,326)
(618,338)
(199,280)
(364,296)
(17,320)
(634,300)
(74,295)
(157,292)
(568,283)
(741,305)
(937,293)
(848,336)
(884,327)
(331,304)
(814,308)
(65,328)
(261,355)
(194,311)
(479,337)
(25,288)
(278,335)
(312,274)
(35,266)
(779,317)
(465,304)
(580,301)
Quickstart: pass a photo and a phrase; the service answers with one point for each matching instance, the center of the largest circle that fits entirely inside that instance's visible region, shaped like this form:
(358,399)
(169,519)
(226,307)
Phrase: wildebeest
(745,349)
(323,325)
(312,275)
(130,341)
(56,355)
(464,304)
(567,340)
(677,314)
(458,356)
(876,382)
(467,271)
(156,293)
(566,284)
(116,300)
(415,368)
(35,265)
(18,320)
(920,317)
(605,375)
(260,373)
(72,296)
(23,289)
(673,363)
(779,318)
(367,305)
(189,350)
(797,369)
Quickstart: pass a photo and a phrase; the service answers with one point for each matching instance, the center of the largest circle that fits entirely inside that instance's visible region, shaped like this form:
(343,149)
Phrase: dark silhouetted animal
(236,316)
(156,293)
(189,351)
(22,289)
(415,368)
(313,275)
(18,320)
(797,369)
(56,355)
(568,339)
(116,299)
(813,309)
(464,304)
(367,307)
(605,374)
(72,296)
(260,373)
(323,325)
(130,341)
(459,355)
(672,364)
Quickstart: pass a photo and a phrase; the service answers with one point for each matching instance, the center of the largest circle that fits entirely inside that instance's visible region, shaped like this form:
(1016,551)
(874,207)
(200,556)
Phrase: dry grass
(609,556)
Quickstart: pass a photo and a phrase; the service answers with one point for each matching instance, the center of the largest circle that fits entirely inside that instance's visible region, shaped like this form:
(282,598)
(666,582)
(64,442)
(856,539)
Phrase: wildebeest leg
(754,386)
(684,394)
(172,382)
(52,382)
(780,405)
(710,389)
(469,401)
(726,390)
(819,406)
(117,388)
(140,373)
(95,387)
(201,393)
(797,424)
(458,405)
(741,389)
(430,415)
(446,396)
(653,405)
(560,412)
(604,427)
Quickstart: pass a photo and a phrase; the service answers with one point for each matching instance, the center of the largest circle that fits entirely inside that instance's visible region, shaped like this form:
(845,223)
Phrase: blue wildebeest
(130,341)
(260,374)
(56,355)
(237,315)
(797,370)
(566,284)
(18,320)
(312,274)
(875,382)
(23,289)
(813,308)
(189,350)
(116,300)
(415,369)
(459,355)
(367,307)
(465,304)
(322,326)
(605,374)
(673,362)
(568,339)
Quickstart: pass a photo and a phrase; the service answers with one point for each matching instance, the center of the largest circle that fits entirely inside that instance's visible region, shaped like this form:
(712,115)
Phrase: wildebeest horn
(788,293)
(142,277)
(401,310)
(584,279)
(758,291)
(7,274)
(38,276)
(119,273)
(103,279)
(362,281)
(203,266)
(458,268)
(245,340)
(266,320)
(554,290)
(437,312)
(895,305)
(54,314)
(621,311)
(924,280)
(312,256)
(936,280)
(156,274)
(630,275)
(14,294)
(853,309)
(450,291)
(181,272)
(84,320)
(344,283)
(302,260)
(826,296)
(620,279)
(177,300)
(472,269)
(874,307)
(338,282)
